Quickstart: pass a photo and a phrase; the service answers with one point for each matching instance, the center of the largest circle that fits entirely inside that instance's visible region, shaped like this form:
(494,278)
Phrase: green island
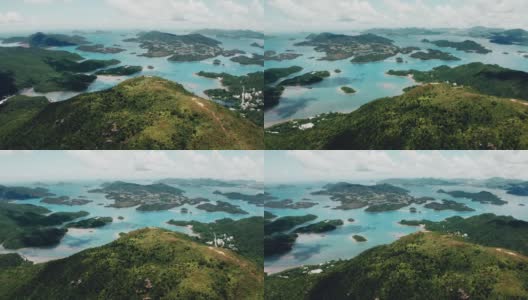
(320,227)
(45,70)
(26,225)
(150,197)
(274,74)
(363,47)
(454,270)
(408,50)
(485,229)
(482,197)
(139,113)
(120,71)
(222,206)
(432,116)
(274,56)
(510,37)
(289,203)
(348,90)
(178,48)
(144,264)
(287,223)
(22,193)
(255,59)
(243,93)
(448,205)
(376,198)
(359,238)
(519,189)
(258,199)
(90,223)
(42,40)
(434,54)
(466,46)
(272,94)
(268,216)
(488,79)
(306,79)
(232,34)
(257,45)
(371,57)
(100,48)
(65,200)
(277,240)
(244,236)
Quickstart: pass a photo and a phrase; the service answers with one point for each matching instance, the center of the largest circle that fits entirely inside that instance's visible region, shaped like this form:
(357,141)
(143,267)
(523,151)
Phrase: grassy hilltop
(144,264)
(140,113)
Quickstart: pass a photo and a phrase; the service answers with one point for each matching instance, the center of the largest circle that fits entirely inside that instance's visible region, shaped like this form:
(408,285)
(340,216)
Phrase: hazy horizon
(45,166)
(332,166)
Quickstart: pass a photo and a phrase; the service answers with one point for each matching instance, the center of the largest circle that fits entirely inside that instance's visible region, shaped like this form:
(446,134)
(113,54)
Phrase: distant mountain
(232,34)
(420,181)
(434,116)
(405,31)
(42,40)
(144,264)
(140,113)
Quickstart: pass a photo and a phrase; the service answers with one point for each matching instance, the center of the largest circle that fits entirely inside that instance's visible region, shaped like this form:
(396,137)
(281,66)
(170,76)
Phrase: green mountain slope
(144,264)
(432,116)
(487,79)
(140,113)
(418,266)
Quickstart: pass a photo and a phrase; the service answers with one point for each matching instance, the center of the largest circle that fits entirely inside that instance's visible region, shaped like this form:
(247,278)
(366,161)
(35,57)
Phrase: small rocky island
(348,90)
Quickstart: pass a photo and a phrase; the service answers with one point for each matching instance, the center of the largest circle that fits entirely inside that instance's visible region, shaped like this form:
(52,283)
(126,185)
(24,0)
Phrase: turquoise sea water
(181,72)
(379,228)
(370,79)
(80,239)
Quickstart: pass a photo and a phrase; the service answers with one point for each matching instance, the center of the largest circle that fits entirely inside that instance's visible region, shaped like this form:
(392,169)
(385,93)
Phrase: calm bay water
(181,72)
(79,239)
(369,80)
(379,228)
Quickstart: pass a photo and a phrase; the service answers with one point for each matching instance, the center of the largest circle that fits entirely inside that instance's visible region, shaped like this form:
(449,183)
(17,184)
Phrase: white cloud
(11,17)
(184,164)
(194,13)
(326,15)
(343,165)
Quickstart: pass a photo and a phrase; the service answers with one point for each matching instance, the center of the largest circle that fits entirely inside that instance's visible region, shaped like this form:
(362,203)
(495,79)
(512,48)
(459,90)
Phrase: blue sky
(299,166)
(307,15)
(29,166)
(27,15)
